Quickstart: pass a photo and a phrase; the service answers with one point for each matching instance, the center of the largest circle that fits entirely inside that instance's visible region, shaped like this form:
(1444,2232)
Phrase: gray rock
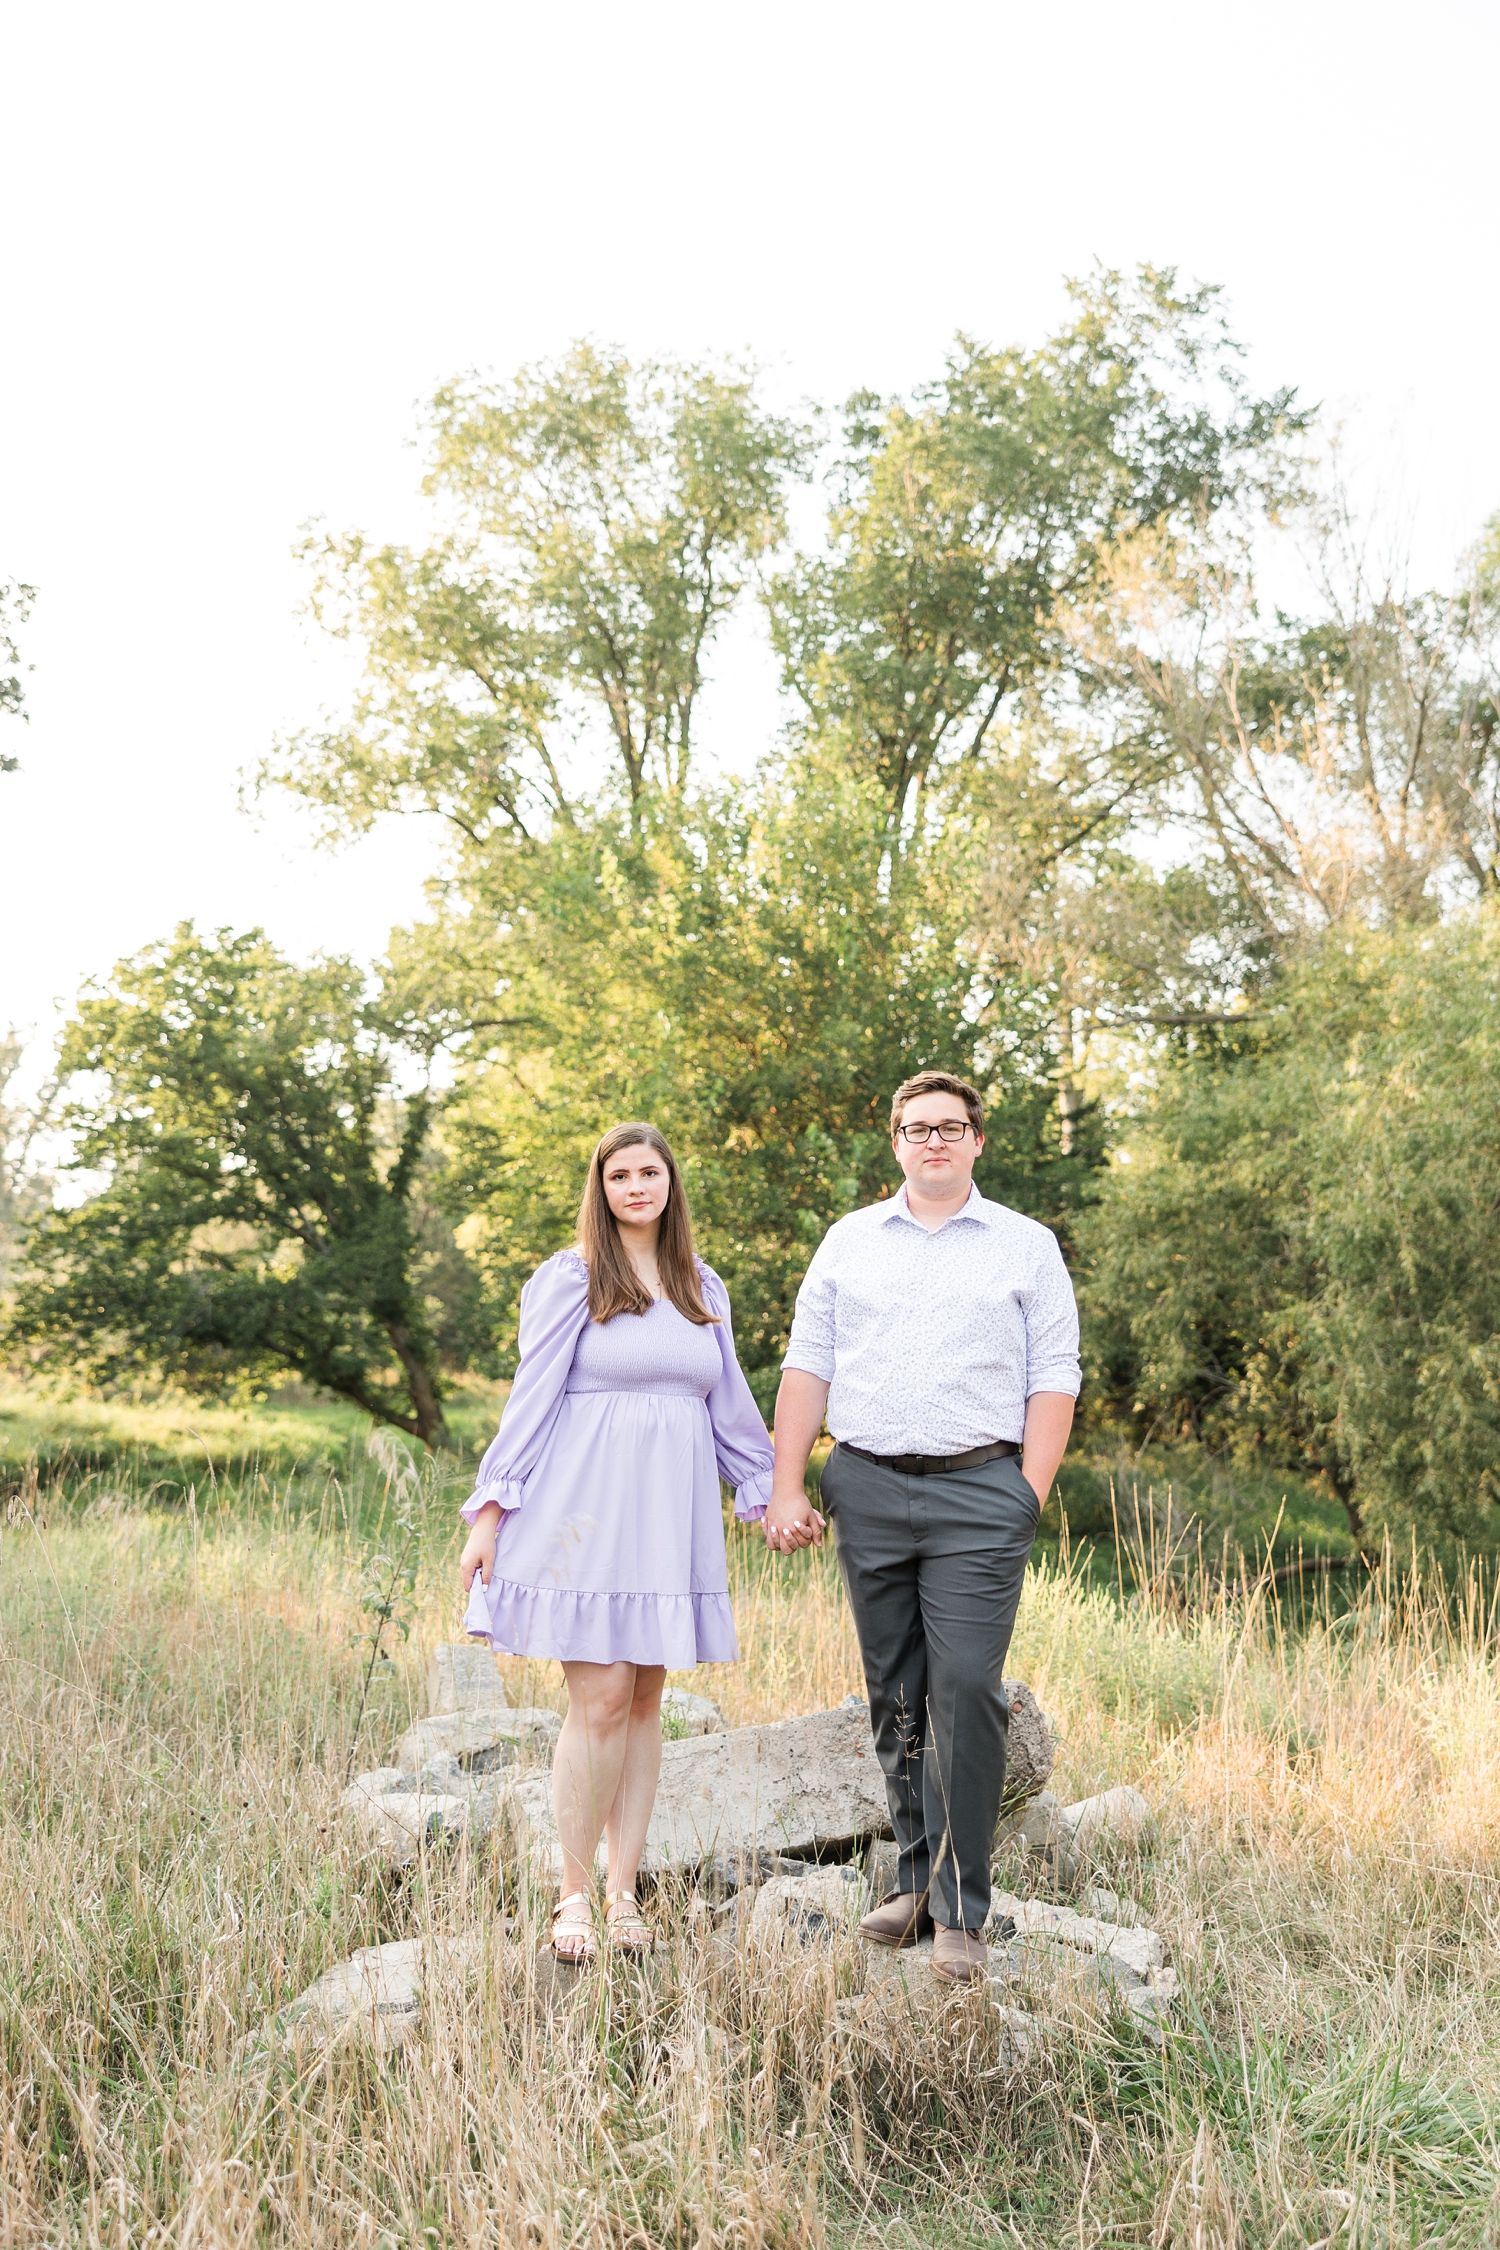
(1115,1816)
(445,1776)
(728,1873)
(1150,2003)
(377,1991)
(1108,1906)
(461,1675)
(684,1715)
(1051,1945)
(1136,1951)
(882,1865)
(399,1822)
(823,1903)
(482,1738)
(908,1969)
(1037,1832)
(375,1783)
(795,1786)
(1029,1753)
(1041,1965)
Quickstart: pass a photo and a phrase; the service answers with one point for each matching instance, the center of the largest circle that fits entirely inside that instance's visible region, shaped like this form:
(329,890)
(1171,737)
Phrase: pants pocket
(827,1481)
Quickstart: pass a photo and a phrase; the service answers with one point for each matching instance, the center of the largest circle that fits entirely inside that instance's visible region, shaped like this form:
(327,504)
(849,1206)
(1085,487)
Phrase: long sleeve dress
(607,1465)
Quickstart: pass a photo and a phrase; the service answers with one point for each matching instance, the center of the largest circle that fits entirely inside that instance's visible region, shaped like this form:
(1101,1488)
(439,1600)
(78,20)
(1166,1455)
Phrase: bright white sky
(242,244)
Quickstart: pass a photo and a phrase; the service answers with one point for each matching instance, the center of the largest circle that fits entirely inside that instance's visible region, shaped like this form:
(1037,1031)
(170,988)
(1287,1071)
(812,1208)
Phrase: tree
(258,1217)
(606,519)
(1298,1257)
(963,521)
(756,979)
(1070,920)
(24,1190)
(1340,765)
(15,608)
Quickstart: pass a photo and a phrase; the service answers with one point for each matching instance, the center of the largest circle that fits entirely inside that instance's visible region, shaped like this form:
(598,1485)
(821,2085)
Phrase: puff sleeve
(554,1312)
(741,1444)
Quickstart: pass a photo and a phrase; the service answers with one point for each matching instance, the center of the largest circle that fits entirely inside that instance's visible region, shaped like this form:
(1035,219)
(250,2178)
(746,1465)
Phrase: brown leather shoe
(959,1956)
(900,1919)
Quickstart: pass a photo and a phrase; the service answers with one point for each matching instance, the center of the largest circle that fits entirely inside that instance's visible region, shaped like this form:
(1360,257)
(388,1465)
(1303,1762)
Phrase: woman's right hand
(479,1547)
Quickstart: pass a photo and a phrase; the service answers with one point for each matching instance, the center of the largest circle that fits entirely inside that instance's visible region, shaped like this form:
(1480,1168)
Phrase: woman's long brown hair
(614,1285)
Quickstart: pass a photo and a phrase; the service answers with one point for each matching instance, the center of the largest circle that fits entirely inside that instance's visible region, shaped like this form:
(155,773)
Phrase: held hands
(790,1522)
(479,1547)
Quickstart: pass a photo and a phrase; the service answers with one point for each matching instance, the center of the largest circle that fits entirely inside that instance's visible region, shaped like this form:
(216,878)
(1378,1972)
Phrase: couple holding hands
(936,1332)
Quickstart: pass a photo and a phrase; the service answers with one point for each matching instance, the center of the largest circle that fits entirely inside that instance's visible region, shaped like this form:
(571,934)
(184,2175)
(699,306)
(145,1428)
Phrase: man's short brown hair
(938,1082)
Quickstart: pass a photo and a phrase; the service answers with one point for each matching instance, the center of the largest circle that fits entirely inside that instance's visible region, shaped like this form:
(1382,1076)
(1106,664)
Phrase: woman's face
(637,1185)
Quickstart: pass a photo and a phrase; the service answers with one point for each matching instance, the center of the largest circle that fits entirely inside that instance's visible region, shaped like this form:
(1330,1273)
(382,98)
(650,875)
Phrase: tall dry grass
(178,1693)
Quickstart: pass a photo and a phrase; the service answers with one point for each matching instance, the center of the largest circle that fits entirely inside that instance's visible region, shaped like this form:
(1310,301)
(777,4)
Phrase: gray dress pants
(933,1567)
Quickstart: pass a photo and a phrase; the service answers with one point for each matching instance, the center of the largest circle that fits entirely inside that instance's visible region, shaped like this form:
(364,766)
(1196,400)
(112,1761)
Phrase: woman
(597,1535)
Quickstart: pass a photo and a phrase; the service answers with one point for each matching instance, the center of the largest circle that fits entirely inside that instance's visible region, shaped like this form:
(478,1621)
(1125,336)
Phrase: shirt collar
(897,1207)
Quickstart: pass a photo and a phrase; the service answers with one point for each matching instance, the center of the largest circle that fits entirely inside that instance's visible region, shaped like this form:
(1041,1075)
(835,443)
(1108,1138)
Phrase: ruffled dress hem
(581,1627)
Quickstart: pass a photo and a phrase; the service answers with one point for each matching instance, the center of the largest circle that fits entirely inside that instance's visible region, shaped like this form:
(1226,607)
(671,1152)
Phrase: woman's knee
(650,1679)
(601,1694)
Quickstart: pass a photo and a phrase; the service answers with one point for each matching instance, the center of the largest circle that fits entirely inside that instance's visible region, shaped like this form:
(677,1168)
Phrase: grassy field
(83,1445)
(163,1447)
(180,1684)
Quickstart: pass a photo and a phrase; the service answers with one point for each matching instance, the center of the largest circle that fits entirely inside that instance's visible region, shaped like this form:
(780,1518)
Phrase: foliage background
(1199,891)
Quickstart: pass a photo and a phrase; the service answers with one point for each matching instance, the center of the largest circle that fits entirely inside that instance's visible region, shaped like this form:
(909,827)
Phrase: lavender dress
(608,1464)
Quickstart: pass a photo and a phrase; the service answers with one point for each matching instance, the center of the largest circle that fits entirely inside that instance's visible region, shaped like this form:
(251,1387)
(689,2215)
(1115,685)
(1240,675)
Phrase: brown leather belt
(933,1465)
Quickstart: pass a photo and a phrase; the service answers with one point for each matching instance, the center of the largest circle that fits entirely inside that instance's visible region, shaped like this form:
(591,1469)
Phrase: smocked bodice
(653,1351)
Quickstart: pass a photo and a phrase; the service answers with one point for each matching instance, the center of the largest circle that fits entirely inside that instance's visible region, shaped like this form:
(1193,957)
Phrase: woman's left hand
(479,1547)
(792,1523)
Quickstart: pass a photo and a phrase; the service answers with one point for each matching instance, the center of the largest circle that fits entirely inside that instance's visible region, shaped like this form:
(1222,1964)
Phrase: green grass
(1169,1488)
(79,1443)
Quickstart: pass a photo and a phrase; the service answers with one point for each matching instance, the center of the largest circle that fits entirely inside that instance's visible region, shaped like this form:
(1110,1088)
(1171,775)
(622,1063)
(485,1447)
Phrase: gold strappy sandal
(624,1926)
(573,1917)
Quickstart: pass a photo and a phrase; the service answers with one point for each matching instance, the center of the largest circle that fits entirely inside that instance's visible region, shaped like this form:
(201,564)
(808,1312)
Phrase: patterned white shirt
(933,1342)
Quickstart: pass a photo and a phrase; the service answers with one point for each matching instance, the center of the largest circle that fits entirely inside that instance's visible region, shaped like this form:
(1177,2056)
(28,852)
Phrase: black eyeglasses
(949,1130)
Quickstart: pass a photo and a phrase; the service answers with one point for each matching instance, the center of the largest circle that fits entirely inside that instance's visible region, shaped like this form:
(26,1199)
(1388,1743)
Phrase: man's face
(937,1168)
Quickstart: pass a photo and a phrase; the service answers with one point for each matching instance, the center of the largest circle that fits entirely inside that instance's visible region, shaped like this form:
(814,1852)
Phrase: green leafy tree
(259,1215)
(1298,1257)
(756,979)
(1071,920)
(605,519)
(964,520)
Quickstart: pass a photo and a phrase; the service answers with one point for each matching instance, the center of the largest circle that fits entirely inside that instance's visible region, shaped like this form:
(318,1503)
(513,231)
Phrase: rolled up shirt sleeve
(1051,1315)
(810,1345)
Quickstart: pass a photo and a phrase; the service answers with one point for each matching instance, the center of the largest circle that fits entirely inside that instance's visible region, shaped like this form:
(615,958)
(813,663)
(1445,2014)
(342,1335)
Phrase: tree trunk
(1342,1488)
(428,1407)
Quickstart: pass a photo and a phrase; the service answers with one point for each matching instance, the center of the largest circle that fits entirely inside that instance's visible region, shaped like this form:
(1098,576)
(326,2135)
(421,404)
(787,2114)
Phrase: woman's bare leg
(630,1811)
(589,1762)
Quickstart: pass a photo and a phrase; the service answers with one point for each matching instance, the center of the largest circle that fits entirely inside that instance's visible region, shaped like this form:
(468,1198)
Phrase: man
(938,1333)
